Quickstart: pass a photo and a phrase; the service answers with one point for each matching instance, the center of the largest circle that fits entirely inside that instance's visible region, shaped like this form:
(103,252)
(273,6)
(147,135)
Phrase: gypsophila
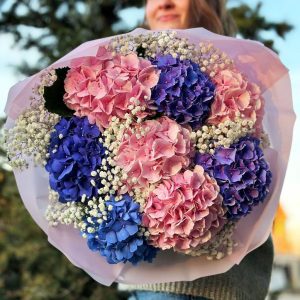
(140,195)
(112,176)
(29,138)
(165,42)
(47,78)
(209,137)
(70,213)
(210,59)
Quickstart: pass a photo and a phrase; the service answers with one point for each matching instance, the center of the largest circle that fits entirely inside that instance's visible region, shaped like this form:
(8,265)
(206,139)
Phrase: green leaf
(54,94)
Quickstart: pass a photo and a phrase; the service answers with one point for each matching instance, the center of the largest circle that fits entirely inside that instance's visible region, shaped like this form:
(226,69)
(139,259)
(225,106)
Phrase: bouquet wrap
(262,68)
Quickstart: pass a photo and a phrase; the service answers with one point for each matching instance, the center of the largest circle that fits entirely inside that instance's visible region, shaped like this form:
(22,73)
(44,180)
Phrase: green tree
(56,27)
(252,24)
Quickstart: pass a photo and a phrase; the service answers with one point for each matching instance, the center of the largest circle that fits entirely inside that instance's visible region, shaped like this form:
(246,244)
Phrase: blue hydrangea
(241,172)
(74,152)
(183,92)
(117,238)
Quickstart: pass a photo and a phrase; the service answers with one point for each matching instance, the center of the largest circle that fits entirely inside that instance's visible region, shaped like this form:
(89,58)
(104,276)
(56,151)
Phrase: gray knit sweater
(247,281)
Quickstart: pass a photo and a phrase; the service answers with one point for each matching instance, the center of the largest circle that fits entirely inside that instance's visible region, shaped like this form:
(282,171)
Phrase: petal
(111,237)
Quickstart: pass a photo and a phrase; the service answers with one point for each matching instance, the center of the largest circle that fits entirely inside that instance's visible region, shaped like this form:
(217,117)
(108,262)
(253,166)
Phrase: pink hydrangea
(234,94)
(100,87)
(184,211)
(162,151)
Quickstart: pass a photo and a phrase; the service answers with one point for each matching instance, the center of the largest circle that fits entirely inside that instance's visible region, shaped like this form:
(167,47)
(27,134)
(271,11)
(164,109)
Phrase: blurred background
(34,33)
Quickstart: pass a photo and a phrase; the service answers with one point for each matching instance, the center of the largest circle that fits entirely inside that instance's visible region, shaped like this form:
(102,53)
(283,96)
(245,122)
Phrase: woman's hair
(212,15)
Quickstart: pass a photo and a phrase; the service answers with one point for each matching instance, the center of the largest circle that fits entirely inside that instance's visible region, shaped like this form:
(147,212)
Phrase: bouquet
(145,146)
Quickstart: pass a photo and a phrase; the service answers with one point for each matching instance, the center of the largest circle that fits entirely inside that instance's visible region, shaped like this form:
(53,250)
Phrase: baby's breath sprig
(212,60)
(221,245)
(143,232)
(112,177)
(69,213)
(47,78)
(141,194)
(30,136)
(209,137)
(164,42)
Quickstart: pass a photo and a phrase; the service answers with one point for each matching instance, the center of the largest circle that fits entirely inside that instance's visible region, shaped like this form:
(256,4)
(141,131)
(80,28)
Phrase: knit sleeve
(247,281)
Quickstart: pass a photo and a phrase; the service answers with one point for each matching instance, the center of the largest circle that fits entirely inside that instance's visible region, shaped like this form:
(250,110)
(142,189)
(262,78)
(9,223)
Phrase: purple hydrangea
(183,92)
(74,152)
(241,172)
(117,238)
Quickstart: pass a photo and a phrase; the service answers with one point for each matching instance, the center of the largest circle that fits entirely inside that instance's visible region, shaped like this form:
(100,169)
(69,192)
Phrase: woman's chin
(169,25)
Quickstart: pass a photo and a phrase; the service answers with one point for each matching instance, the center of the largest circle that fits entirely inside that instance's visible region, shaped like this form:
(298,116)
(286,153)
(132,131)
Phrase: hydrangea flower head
(117,238)
(234,96)
(184,211)
(183,92)
(74,153)
(101,87)
(162,151)
(241,172)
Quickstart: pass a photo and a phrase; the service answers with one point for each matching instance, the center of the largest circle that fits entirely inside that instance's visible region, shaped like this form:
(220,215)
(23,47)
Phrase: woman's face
(167,14)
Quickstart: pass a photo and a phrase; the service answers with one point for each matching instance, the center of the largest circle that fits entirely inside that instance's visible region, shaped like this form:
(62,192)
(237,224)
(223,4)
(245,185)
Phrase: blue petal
(122,234)
(57,165)
(111,237)
(133,246)
(132,229)
(66,171)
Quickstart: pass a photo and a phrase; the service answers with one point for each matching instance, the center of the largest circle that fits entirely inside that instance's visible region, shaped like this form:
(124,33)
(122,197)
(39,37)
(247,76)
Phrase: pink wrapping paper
(261,66)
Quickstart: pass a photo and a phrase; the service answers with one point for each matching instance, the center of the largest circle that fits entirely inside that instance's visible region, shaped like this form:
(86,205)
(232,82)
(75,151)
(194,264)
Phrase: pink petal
(162,148)
(103,53)
(96,89)
(149,77)
(130,61)
(151,171)
(173,165)
(243,100)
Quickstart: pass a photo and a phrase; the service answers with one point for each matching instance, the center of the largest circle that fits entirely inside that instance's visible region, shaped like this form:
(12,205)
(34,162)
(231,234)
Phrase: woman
(183,14)
(250,279)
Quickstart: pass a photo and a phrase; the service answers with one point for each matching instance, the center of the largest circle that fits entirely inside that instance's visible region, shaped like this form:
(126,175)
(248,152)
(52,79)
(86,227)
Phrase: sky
(289,50)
